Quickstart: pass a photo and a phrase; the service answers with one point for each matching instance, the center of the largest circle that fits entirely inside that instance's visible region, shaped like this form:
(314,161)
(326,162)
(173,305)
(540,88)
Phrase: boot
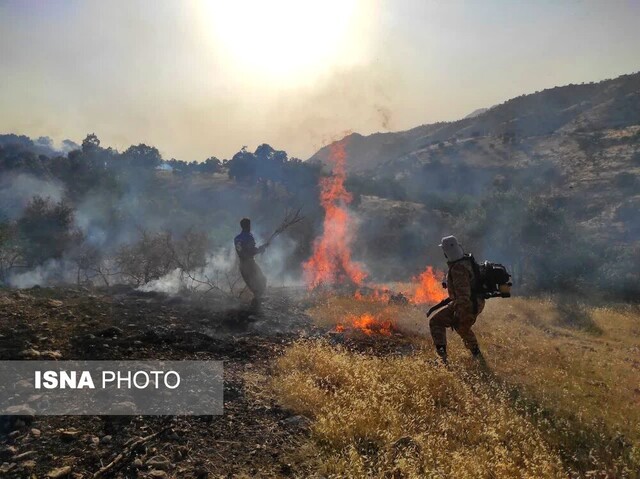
(442,352)
(475,352)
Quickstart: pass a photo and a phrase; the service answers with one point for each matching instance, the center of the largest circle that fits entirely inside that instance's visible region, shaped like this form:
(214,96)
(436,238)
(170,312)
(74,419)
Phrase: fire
(428,287)
(331,260)
(367,323)
(375,295)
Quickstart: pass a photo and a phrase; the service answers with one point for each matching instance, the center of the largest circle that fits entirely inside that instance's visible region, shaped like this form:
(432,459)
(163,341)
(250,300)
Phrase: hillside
(557,167)
(566,110)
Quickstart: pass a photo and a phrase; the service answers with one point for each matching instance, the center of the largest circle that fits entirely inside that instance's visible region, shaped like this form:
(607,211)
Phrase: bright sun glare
(282,38)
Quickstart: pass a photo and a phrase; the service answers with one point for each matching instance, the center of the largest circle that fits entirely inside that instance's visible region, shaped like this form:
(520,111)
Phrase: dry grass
(576,371)
(399,415)
(557,397)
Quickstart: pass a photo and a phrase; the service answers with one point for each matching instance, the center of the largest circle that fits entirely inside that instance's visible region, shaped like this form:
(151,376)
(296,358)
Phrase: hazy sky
(197,79)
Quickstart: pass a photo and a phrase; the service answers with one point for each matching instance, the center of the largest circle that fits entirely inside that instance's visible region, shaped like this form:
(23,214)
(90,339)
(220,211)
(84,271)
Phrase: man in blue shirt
(251,273)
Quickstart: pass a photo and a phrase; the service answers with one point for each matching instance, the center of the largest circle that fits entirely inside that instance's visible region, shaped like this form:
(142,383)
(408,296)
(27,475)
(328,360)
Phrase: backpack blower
(492,280)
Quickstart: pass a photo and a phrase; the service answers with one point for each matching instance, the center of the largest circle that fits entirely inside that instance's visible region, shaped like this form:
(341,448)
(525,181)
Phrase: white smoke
(51,272)
(220,267)
(171,283)
(17,190)
(274,263)
(221,271)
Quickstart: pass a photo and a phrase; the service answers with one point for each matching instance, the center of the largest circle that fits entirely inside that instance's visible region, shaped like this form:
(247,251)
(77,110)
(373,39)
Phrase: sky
(204,78)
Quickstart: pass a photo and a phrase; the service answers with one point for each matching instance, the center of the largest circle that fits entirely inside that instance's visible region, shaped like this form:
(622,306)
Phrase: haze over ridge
(169,76)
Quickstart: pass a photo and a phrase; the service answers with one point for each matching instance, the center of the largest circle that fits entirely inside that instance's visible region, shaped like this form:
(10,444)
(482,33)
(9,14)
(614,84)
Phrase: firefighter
(251,273)
(465,305)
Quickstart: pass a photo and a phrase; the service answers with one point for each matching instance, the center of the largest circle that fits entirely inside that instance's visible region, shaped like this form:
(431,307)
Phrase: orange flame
(428,287)
(376,295)
(331,260)
(368,324)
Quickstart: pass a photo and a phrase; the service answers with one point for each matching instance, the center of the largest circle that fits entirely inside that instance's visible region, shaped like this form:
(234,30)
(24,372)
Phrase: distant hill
(610,104)
(477,112)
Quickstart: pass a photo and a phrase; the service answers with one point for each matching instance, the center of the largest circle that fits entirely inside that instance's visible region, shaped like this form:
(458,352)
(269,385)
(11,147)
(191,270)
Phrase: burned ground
(75,324)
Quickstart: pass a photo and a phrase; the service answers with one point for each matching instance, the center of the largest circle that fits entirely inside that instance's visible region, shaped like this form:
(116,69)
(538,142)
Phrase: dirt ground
(72,324)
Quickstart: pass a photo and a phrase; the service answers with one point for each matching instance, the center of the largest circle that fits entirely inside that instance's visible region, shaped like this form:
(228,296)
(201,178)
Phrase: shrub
(47,230)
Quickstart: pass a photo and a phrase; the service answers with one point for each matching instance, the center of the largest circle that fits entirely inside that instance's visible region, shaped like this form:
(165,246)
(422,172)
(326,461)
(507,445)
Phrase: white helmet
(451,248)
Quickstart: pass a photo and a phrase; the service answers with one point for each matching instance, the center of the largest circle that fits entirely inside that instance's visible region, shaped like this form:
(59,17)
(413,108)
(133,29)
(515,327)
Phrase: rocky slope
(566,110)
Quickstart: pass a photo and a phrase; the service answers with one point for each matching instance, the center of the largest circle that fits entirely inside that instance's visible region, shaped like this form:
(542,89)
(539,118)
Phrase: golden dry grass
(593,376)
(558,397)
(374,416)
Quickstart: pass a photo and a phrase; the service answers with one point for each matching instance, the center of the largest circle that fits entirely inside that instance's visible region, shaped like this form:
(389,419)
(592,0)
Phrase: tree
(147,259)
(560,256)
(210,165)
(90,144)
(47,230)
(142,156)
(242,167)
(10,250)
(508,137)
(626,181)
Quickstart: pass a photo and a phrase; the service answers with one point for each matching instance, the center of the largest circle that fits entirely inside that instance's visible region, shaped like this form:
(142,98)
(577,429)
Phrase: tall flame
(331,260)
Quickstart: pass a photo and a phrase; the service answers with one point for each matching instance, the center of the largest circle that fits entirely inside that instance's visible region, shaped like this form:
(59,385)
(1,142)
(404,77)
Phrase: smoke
(171,283)
(385,116)
(275,260)
(16,190)
(51,272)
(352,99)
(118,209)
(221,271)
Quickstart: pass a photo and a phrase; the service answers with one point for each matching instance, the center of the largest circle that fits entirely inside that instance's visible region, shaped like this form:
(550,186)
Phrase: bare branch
(291,217)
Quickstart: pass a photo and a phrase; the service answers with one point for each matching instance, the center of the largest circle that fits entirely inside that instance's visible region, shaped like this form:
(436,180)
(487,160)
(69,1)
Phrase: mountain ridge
(612,103)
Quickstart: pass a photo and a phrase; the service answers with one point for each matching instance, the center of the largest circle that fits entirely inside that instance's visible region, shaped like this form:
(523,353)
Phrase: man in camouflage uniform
(252,275)
(465,306)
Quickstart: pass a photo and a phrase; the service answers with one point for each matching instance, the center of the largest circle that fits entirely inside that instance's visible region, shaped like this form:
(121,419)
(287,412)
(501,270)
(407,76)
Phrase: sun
(281,38)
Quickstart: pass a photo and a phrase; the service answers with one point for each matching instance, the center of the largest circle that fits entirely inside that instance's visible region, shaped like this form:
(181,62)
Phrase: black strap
(442,303)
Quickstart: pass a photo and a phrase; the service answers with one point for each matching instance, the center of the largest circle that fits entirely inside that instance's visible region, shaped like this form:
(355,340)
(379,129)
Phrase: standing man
(251,273)
(465,305)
